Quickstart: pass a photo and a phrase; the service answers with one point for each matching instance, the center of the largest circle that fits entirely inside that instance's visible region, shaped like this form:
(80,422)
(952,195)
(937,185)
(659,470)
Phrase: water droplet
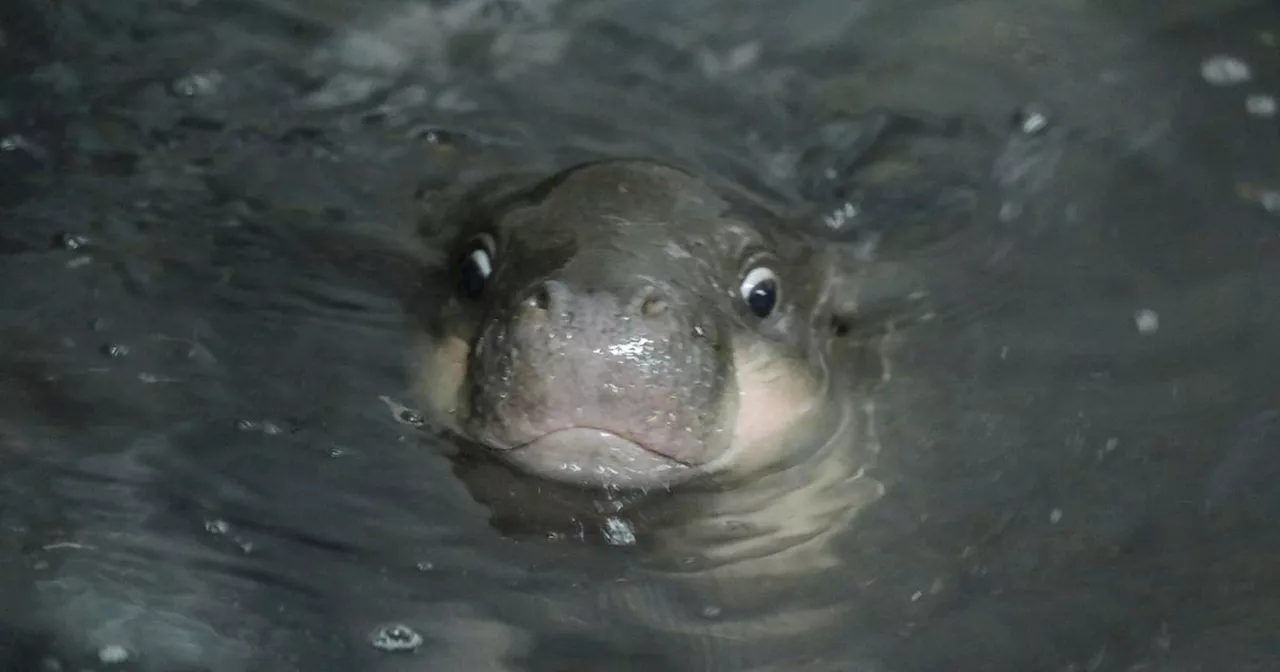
(840,217)
(113,654)
(618,532)
(196,84)
(1260,105)
(115,350)
(436,136)
(1223,70)
(1009,211)
(1270,201)
(1148,321)
(1031,120)
(395,637)
(70,241)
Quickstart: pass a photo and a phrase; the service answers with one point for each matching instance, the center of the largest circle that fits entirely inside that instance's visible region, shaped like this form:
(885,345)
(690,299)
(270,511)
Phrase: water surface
(1068,214)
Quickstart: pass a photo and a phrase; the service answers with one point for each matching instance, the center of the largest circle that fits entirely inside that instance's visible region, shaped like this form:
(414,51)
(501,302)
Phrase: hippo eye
(760,291)
(476,267)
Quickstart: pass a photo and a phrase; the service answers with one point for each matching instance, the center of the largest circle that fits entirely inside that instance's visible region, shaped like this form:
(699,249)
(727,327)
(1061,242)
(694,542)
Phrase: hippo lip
(606,435)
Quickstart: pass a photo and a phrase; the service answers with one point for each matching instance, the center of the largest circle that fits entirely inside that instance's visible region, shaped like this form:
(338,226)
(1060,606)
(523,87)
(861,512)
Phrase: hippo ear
(864,296)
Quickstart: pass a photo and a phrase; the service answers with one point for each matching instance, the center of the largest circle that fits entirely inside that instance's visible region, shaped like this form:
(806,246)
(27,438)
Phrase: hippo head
(617,325)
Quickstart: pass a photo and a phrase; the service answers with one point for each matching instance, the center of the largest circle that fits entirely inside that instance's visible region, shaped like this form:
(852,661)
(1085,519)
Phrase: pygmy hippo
(623,325)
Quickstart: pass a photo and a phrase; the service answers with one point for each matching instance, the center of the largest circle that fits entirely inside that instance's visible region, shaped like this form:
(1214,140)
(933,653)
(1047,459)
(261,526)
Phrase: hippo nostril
(650,303)
(542,298)
(653,307)
(546,297)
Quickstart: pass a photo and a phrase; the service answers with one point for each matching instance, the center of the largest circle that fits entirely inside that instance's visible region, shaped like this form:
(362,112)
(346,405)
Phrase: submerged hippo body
(619,325)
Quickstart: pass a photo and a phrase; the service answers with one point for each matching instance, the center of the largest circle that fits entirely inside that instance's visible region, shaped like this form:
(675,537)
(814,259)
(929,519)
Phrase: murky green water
(1068,219)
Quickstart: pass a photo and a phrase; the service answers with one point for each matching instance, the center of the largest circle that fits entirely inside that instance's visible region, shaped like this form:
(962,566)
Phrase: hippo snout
(625,367)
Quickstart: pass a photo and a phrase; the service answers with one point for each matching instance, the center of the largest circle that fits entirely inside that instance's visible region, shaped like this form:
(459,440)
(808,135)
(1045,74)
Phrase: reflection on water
(1061,222)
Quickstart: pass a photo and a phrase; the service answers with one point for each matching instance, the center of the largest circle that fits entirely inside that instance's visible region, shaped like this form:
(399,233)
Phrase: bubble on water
(113,654)
(1223,70)
(711,611)
(1260,105)
(425,566)
(1055,516)
(618,532)
(217,527)
(1147,320)
(395,637)
(403,414)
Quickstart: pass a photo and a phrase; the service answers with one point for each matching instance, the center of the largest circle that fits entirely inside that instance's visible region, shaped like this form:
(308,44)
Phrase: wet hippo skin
(620,324)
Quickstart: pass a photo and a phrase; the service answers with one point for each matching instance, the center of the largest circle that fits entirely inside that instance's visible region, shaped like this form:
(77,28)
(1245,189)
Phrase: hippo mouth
(581,435)
(588,455)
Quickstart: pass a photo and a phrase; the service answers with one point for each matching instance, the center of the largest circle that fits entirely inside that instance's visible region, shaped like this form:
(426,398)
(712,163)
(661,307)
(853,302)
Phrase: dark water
(207,207)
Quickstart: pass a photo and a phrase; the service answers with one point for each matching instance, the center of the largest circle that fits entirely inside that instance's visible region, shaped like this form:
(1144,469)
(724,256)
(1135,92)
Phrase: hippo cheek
(779,409)
(441,370)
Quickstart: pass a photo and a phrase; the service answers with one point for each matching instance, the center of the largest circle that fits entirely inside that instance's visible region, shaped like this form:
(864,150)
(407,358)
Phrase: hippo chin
(618,325)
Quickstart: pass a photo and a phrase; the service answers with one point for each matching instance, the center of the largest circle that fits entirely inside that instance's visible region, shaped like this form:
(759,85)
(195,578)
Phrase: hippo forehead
(635,219)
